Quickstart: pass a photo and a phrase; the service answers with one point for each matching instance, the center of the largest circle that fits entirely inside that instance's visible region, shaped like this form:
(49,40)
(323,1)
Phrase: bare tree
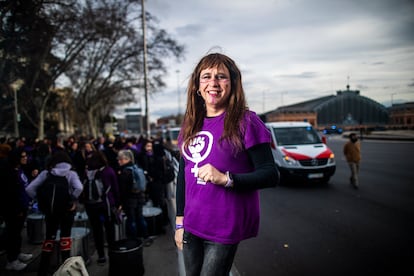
(109,69)
(95,43)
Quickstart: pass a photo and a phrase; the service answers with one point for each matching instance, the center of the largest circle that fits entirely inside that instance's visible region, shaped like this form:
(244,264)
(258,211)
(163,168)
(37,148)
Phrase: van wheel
(283,181)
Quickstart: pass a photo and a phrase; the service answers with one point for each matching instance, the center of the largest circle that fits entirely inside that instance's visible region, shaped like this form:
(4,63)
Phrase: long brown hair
(236,106)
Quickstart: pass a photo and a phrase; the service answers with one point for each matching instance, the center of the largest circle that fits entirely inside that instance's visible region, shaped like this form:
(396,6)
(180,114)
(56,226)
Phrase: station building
(347,109)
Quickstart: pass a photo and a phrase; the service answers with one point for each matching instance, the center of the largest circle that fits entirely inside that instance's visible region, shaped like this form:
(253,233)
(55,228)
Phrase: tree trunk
(91,123)
(41,130)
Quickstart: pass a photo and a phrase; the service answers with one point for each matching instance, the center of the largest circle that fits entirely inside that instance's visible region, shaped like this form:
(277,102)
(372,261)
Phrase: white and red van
(299,152)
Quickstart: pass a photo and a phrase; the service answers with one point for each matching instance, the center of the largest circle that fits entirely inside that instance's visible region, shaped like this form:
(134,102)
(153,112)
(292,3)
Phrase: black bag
(53,195)
(93,189)
(169,174)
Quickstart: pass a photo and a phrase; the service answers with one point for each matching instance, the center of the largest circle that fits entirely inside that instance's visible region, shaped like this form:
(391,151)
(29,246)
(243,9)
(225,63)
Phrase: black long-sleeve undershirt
(264,175)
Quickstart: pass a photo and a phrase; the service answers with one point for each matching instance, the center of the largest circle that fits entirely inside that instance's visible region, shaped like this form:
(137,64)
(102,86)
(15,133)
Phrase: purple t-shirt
(214,212)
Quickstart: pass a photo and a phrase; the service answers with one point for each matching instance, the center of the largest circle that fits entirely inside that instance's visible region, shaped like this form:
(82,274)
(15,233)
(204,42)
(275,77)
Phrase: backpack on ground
(53,195)
(74,266)
(93,188)
(138,176)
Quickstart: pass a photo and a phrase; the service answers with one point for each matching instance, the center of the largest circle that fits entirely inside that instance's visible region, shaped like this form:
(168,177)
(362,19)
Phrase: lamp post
(16,86)
(392,98)
(178,94)
(283,112)
(147,124)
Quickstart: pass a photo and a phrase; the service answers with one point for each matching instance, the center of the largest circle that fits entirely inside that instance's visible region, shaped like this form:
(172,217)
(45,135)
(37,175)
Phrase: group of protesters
(25,164)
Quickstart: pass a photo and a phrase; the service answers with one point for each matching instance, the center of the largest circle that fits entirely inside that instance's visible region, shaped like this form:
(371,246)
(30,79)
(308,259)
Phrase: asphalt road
(334,229)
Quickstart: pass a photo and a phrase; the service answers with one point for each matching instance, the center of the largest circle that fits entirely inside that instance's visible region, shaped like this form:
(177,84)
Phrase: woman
(80,157)
(15,205)
(226,158)
(132,199)
(99,206)
(152,162)
(60,166)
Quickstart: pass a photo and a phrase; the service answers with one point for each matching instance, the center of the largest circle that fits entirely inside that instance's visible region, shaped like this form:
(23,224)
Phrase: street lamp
(16,86)
(178,93)
(283,112)
(392,98)
(146,84)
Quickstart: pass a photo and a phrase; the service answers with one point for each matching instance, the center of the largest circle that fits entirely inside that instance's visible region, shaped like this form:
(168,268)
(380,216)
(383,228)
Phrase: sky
(290,51)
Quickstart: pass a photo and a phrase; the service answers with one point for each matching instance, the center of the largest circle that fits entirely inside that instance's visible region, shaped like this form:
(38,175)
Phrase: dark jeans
(207,258)
(136,226)
(62,221)
(14,227)
(100,219)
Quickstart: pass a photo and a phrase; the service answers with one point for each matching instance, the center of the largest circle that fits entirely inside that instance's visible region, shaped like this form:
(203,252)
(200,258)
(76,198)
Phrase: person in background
(43,153)
(131,144)
(111,154)
(60,165)
(72,149)
(86,149)
(132,201)
(225,158)
(100,207)
(28,167)
(99,143)
(14,204)
(352,152)
(151,161)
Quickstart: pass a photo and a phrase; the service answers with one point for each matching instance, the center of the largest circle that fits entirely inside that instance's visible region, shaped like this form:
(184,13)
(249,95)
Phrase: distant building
(402,115)
(133,120)
(347,109)
(170,121)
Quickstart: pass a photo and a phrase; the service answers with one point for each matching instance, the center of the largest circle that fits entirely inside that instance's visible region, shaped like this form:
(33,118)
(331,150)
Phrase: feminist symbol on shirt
(198,150)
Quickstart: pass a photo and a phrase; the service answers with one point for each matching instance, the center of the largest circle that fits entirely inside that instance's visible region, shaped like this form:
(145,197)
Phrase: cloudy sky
(291,51)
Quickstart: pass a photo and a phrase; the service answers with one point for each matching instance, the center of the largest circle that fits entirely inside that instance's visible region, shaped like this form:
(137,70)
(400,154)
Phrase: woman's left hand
(209,173)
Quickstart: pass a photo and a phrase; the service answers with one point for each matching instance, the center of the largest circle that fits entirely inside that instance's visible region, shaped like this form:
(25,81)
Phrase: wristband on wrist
(179,226)
(229,183)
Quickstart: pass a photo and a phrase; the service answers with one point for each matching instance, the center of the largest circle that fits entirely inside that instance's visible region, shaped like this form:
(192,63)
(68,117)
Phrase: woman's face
(215,88)
(148,147)
(122,160)
(88,147)
(23,158)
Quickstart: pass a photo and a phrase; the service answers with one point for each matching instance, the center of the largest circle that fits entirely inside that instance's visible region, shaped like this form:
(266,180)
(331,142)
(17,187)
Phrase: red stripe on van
(297,156)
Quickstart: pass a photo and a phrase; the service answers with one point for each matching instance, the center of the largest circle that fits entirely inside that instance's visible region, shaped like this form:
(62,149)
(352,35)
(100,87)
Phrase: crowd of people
(26,165)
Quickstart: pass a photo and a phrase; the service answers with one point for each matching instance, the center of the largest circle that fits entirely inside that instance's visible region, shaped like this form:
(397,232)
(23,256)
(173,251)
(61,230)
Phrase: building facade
(347,109)
(402,115)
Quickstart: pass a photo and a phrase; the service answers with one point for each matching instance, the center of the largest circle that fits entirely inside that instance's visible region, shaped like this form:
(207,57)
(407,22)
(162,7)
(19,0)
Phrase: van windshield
(296,136)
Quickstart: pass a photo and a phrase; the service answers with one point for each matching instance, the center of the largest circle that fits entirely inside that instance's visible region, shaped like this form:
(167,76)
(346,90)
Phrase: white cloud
(293,50)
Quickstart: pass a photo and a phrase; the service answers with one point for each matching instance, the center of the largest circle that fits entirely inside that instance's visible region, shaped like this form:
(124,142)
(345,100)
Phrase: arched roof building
(346,109)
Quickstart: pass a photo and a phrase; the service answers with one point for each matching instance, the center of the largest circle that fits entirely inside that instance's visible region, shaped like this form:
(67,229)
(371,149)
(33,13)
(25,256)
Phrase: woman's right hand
(179,233)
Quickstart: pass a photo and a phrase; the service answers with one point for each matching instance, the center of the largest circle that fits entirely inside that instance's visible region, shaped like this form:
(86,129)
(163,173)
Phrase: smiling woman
(225,159)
